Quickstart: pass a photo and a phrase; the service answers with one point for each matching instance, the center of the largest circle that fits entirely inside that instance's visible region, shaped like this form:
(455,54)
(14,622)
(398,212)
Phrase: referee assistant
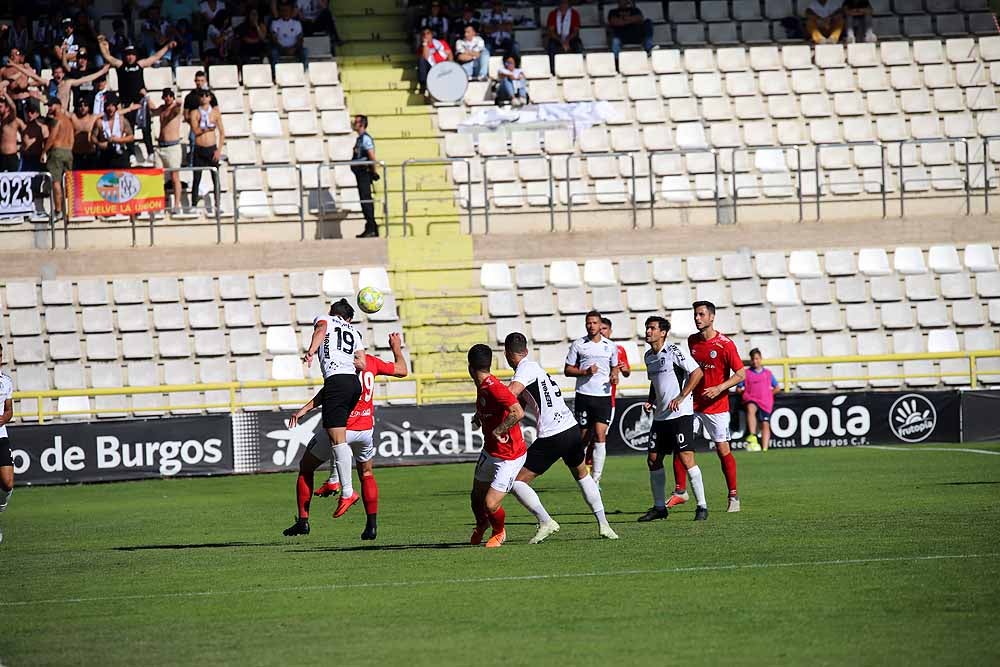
(364,149)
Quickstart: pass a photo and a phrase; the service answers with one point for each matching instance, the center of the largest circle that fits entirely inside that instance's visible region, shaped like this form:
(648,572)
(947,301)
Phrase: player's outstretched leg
(527,497)
(369,496)
(303,494)
(592,496)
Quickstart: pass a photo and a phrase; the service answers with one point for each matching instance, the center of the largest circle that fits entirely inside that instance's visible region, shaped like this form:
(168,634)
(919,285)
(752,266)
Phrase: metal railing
(236,169)
(849,145)
(422,396)
(486,182)
(654,191)
(930,179)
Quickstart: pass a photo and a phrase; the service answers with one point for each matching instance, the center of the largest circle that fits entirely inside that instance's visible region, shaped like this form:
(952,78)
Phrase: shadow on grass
(965,483)
(386,547)
(207,545)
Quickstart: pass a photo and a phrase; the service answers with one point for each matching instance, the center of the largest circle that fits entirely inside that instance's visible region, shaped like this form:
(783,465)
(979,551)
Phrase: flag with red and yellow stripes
(113,192)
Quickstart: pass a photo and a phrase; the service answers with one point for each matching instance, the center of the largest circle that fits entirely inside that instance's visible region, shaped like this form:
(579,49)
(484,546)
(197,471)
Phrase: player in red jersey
(596,464)
(504,450)
(360,436)
(720,362)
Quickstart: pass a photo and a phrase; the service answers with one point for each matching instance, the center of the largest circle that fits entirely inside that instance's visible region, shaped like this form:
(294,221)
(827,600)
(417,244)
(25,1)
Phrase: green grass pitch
(841,556)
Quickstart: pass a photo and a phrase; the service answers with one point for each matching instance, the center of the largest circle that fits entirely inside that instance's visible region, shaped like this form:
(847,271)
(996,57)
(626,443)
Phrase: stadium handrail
(422,396)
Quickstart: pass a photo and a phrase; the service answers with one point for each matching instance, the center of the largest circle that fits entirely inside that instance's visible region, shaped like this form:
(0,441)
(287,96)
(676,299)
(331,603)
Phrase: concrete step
(386,101)
(377,49)
(366,8)
(434,339)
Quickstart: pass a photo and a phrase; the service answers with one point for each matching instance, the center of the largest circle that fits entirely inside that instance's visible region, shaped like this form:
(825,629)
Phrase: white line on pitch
(481,580)
(898,448)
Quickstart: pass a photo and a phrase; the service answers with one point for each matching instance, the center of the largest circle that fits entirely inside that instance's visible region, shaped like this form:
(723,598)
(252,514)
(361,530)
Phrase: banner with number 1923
(16,195)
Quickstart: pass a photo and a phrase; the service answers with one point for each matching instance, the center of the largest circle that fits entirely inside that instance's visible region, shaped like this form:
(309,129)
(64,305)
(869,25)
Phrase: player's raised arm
(400,369)
(319,333)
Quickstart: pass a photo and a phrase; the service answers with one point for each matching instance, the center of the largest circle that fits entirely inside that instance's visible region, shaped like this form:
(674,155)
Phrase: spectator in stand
(132,85)
(112,134)
(65,51)
(498,30)
(81,80)
(11,128)
(193,100)
(469,17)
(629,26)
(431,52)
(168,144)
(84,149)
(57,152)
(513,86)
(19,77)
(436,21)
(858,16)
(219,40)
(316,17)
(471,54)
(33,138)
(183,35)
(210,139)
(825,21)
(286,36)
(251,38)
(562,32)
(100,93)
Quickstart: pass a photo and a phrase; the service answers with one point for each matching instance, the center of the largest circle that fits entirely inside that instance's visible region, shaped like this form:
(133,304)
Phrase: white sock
(658,484)
(593,497)
(343,457)
(527,497)
(600,453)
(5,496)
(696,484)
(334,477)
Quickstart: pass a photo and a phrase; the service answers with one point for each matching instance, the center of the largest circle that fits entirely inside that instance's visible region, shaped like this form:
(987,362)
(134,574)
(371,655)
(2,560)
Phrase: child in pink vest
(758,390)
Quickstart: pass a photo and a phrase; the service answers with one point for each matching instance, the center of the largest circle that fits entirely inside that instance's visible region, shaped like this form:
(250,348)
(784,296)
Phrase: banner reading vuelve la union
(109,192)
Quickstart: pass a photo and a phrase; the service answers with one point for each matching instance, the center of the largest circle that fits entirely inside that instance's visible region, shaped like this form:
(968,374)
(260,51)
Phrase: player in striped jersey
(558,438)
(6,458)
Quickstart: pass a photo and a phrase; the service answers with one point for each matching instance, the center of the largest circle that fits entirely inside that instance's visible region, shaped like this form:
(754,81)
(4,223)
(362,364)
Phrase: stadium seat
(944,259)
(980,258)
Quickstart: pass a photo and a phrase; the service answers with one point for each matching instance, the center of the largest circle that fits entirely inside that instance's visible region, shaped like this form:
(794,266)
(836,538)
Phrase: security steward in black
(364,149)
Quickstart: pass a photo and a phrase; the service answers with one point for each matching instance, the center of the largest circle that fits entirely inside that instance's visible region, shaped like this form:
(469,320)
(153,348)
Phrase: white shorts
(500,473)
(362,444)
(170,156)
(716,424)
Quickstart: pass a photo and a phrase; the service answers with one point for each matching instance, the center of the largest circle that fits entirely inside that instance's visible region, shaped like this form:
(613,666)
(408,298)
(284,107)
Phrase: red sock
(303,493)
(729,470)
(680,475)
(369,494)
(496,520)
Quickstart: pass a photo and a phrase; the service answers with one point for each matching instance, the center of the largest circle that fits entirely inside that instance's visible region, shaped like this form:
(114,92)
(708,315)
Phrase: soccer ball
(370,300)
